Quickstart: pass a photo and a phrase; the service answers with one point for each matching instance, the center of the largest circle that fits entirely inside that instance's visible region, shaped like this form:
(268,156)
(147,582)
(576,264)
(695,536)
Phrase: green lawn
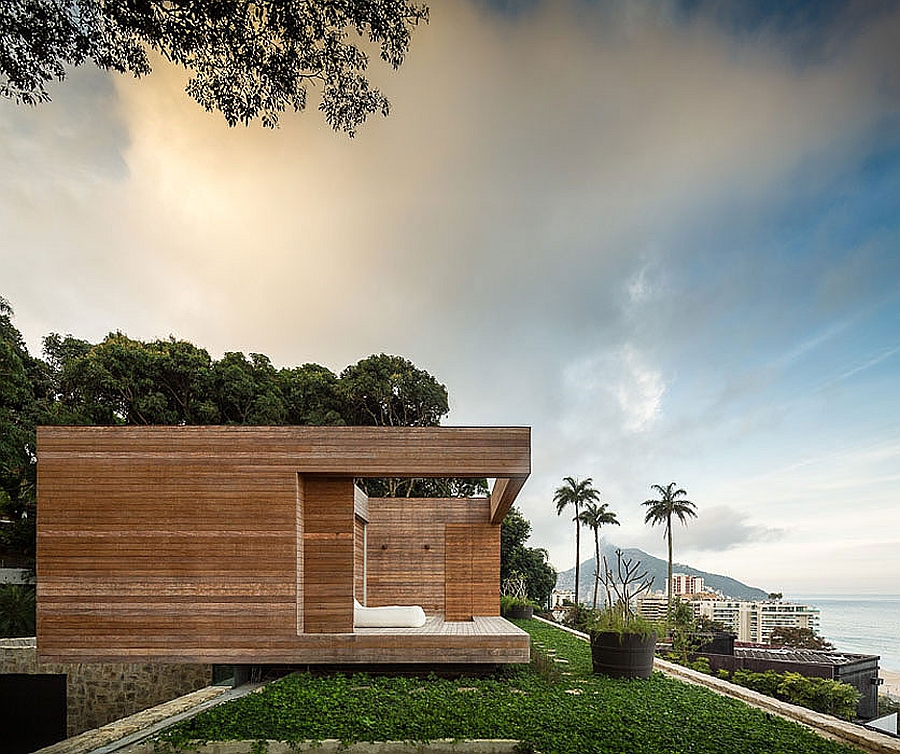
(565,710)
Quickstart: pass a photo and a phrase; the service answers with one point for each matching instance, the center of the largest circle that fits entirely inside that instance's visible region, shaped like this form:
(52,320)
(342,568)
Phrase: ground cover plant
(555,705)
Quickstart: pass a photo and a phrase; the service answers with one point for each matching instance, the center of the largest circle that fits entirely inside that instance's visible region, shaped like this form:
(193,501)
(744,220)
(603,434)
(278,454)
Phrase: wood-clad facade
(248,544)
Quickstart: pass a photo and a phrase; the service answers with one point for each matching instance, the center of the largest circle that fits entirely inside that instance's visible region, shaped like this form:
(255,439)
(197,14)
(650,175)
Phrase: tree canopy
(800,638)
(248,59)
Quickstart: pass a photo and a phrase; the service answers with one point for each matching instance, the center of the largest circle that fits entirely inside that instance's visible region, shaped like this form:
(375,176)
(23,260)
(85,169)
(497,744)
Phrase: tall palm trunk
(596,563)
(577,553)
(669,582)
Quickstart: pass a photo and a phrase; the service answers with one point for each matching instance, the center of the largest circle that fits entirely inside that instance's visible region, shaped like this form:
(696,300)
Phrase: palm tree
(595,516)
(576,494)
(672,502)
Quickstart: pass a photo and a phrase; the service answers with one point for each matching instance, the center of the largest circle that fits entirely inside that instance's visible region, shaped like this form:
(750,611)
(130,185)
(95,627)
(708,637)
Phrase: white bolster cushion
(391,616)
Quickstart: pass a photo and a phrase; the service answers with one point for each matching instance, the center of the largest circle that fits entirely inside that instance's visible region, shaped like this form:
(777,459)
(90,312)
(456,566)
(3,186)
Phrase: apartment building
(749,621)
(755,621)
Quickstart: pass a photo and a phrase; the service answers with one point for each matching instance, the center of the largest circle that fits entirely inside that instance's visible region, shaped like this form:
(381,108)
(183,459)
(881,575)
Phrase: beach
(891,686)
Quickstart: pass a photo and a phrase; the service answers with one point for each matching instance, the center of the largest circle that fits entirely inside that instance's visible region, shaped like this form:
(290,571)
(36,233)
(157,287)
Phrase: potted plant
(623,643)
(516,607)
(514,602)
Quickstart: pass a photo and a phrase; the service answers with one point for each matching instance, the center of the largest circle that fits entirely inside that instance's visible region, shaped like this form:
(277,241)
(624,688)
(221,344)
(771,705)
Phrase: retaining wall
(99,693)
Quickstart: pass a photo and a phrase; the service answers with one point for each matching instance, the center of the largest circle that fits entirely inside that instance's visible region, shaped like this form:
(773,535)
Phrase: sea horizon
(859,623)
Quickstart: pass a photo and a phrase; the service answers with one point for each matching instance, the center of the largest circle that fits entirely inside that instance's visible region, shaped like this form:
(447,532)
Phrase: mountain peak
(656,568)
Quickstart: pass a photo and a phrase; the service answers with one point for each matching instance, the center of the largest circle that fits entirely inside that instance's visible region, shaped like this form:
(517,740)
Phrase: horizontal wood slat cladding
(357,451)
(481,640)
(406,555)
(226,544)
(472,558)
(328,552)
(137,553)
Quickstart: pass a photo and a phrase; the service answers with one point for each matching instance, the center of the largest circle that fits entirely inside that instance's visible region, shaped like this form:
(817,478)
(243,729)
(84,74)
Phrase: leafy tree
(23,383)
(515,557)
(775,595)
(310,395)
(391,391)
(801,638)
(70,399)
(247,391)
(125,381)
(671,502)
(173,382)
(248,59)
(594,516)
(575,493)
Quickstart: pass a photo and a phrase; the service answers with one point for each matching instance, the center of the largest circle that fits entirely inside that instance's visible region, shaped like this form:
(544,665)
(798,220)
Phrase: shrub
(581,618)
(507,602)
(701,665)
(819,694)
(17,610)
(765,683)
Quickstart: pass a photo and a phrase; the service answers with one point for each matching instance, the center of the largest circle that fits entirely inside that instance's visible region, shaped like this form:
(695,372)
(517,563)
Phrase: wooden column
(328,520)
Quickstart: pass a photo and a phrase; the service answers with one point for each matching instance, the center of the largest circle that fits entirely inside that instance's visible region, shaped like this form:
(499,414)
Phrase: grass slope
(566,710)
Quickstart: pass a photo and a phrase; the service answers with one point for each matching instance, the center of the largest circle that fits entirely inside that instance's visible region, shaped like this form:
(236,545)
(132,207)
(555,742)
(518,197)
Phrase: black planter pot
(520,611)
(623,655)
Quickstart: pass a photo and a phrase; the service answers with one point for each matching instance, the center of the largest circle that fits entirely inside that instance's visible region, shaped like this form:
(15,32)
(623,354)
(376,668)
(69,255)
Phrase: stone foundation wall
(98,693)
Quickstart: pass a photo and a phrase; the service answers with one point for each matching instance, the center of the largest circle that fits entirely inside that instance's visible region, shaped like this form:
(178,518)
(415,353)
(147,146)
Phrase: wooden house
(235,544)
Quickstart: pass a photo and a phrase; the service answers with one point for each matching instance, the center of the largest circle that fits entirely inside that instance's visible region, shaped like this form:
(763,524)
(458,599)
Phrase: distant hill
(657,570)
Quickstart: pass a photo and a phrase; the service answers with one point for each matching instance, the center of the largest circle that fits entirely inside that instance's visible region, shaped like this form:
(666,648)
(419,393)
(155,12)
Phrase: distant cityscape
(751,621)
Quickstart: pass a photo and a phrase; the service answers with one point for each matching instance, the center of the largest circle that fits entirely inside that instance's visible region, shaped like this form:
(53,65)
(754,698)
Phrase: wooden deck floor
(484,639)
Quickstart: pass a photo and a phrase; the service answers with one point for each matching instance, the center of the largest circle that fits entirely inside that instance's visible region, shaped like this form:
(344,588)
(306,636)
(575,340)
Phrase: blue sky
(666,236)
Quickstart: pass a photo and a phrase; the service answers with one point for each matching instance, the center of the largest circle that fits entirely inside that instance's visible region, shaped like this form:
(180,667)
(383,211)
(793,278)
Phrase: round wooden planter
(520,611)
(623,655)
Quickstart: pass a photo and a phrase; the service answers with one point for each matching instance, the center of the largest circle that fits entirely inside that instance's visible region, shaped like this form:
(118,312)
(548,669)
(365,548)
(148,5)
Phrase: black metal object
(32,711)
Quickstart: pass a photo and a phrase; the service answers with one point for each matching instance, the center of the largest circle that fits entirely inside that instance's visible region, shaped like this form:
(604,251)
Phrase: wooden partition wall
(235,544)
(440,553)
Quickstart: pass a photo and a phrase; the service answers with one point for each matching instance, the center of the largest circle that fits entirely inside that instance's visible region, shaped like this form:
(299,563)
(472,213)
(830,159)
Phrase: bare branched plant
(626,583)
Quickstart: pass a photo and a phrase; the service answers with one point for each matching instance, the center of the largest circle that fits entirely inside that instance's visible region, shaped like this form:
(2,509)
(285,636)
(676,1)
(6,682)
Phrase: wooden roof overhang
(501,453)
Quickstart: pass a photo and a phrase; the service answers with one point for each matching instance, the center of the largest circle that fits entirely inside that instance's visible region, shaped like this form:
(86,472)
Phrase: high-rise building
(683,585)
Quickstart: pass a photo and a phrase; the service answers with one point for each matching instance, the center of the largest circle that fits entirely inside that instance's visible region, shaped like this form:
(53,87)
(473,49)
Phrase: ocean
(867,624)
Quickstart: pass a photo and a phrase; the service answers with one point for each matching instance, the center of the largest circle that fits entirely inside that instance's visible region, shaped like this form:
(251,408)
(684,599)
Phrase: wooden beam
(335,451)
(503,495)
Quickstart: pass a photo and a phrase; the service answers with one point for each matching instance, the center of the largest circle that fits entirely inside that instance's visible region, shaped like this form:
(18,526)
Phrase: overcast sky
(666,237)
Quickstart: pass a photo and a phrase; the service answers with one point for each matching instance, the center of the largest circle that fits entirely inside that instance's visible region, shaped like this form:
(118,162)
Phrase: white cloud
(639,392)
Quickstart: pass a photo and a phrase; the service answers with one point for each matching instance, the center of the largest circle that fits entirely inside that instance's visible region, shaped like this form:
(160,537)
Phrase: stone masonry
(98,693)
